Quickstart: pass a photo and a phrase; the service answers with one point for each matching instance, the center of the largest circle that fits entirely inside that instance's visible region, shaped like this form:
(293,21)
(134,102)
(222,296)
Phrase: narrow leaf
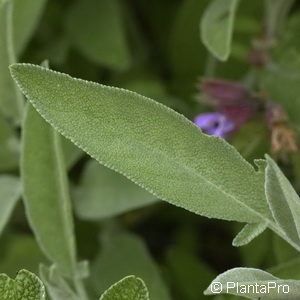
(129,288)
(149,143)
(26,286)
(283,200)
(104,193)
(10,105)
(46,191)
(248,233)
(217,27)
(254,283)
(10,192)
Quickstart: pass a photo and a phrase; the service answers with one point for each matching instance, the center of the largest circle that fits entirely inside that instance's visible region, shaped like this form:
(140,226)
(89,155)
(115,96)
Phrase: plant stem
(276,12)
(12,55)
(80,289)
(210,66)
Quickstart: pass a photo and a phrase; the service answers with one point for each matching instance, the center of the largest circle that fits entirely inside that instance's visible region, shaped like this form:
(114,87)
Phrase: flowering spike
(223,92)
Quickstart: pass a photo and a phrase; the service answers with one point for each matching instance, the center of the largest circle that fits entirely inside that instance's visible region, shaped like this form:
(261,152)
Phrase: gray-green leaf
(283,200)
(104,193)
(10,192)
(46,191)
(129,288)
(149,143)
(248,233)
(10,105)
(26,286)
(254,283)
(217,27)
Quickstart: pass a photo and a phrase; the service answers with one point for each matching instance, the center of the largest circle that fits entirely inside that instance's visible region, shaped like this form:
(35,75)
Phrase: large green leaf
(97,29)
(104,193)
(26,15)
(254,283)
(129,288)
(149,143)
(125,254)
(10,192)
(283,200)
(217,27)
(46,191)
(26,286)
(9,147)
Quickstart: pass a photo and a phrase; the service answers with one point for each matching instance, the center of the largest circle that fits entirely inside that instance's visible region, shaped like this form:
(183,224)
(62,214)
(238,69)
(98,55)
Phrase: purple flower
(214,123)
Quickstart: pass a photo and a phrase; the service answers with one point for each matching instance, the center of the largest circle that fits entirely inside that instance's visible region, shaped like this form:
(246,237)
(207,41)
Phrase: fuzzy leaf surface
(149,143)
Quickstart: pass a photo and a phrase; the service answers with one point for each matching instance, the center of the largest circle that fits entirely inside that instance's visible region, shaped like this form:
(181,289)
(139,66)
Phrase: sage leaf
(125,254)
(10,192)
(45,187)
(255,283)
(283,200)
(26,286)
(149,143)
(104,193)
(9,147)
(26,15)
(129,288)
(248,233)
(217,27)
(102,39)
(10,105)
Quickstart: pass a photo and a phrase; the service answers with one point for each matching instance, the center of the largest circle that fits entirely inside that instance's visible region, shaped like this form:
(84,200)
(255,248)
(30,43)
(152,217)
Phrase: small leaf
(9,147)
(248,233)
(283,200)
(26,286)
(104,193)
(10,192)
(254,283)
(46,191)
(149,143)
(129,288)
(217,27)
(102,38)
(123,254)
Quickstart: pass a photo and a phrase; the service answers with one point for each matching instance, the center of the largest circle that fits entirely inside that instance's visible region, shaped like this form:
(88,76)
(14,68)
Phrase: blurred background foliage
(153,48)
